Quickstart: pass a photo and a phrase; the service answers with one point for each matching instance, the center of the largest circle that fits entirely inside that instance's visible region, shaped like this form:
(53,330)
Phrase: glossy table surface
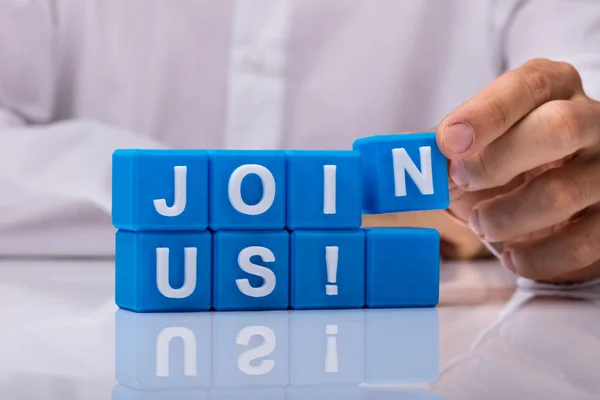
(63,338)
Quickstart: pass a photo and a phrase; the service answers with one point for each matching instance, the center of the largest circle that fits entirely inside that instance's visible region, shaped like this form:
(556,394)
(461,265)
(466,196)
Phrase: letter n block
(160,190)
(163,271)
(324,190)
(247,190)
(403,267)
(251,270)
(403,173)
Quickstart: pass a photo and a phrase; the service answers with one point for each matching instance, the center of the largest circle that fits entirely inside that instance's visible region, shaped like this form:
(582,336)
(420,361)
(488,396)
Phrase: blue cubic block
(324,190)
(327,348)
(251,270)
(160,190)
(402,346)
(124,393)
(403,267)
(247,189)
(403,173)
(163,271)
(163,351)
(251,349)
(327,269)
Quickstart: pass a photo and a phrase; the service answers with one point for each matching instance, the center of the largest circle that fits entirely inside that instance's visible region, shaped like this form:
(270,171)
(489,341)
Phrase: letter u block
(163,272)
(247,190)
(160,190)
(403,173)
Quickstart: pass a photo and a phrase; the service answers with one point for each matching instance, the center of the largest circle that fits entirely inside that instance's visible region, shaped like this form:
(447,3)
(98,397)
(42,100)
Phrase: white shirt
(80,78)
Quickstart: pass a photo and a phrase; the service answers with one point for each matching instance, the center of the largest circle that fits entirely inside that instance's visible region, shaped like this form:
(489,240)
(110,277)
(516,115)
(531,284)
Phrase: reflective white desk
(63,338)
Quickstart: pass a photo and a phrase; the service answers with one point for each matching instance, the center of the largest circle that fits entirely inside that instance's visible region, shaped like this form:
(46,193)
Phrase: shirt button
(255,61)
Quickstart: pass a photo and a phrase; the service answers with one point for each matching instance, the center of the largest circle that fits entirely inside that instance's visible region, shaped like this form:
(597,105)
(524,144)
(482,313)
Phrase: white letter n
(403,164)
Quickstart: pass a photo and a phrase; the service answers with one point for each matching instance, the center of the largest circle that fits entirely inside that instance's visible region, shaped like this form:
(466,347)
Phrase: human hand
(525,170)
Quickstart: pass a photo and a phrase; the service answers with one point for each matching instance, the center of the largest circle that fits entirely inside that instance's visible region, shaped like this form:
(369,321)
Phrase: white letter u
(162,273)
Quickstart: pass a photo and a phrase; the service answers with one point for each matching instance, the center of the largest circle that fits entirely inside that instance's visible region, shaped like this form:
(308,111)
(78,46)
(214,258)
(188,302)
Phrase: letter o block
(247,190)
(251,271)
(163,271)
(402,173)
(160,190)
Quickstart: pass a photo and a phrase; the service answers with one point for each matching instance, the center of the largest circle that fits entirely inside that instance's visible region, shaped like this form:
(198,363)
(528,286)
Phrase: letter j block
(160,190)
(403,173)
(163,272)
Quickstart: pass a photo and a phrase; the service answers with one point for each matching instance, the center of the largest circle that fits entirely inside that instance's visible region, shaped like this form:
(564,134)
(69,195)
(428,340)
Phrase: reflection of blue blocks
(402,346)
(377,393)
(403,267)
(123,393)
(312,254)
(163,351)
(251,270)
(248,394)
(403,173)
(251,349)
(324,190)
(160,189)
(163,271)
(324,393)
(247,189)
(327,348)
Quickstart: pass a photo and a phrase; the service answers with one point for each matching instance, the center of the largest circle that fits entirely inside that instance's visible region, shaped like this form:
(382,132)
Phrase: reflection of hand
(525,165)
(547,349)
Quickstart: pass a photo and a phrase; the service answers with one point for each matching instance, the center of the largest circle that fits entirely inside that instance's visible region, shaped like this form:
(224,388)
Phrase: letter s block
(247,189)
(251,270)
(160,190)
(403,173)
(163,271)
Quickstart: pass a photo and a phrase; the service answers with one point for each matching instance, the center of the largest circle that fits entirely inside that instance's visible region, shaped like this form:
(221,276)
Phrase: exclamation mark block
(331,261)
(327,269)
(331,356)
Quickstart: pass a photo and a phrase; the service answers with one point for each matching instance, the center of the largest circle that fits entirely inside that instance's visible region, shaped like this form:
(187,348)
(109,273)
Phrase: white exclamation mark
(331,261)
(331,358)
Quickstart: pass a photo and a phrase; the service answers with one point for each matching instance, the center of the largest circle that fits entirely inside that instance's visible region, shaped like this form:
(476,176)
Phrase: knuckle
(496,112)
(561,194)
(537,82)
(565,125)
(570,73)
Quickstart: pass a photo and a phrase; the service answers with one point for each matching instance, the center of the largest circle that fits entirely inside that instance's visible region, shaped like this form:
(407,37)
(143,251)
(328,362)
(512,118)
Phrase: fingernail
(458,138)
(508,262)
(475,224)
(458,173)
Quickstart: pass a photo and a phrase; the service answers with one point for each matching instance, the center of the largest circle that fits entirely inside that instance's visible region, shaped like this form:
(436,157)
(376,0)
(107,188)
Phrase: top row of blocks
(165,190)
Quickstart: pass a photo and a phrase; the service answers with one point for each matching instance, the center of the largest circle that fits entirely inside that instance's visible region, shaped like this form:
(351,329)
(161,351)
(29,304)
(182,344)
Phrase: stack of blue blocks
(242,230)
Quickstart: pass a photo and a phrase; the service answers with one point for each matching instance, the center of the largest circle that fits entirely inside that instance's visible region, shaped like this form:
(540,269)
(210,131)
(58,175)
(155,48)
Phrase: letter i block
(160,190)
(403,267)
(324,190)
(251,270)
(163,351)
(403,173)
(327,269)
(247,190)
(163,272)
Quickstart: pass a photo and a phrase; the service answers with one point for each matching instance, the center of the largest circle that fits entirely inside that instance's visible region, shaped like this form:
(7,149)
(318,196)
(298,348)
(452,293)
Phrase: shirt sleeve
(560,30)
(55,175)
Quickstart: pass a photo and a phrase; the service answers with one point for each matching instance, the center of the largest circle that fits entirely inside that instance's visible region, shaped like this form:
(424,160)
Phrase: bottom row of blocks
(273,270)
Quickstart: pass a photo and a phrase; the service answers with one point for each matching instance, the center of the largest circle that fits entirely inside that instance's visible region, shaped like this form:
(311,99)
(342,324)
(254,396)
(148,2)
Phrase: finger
(490,113)
(573,248)
(548,200)
(550,133)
